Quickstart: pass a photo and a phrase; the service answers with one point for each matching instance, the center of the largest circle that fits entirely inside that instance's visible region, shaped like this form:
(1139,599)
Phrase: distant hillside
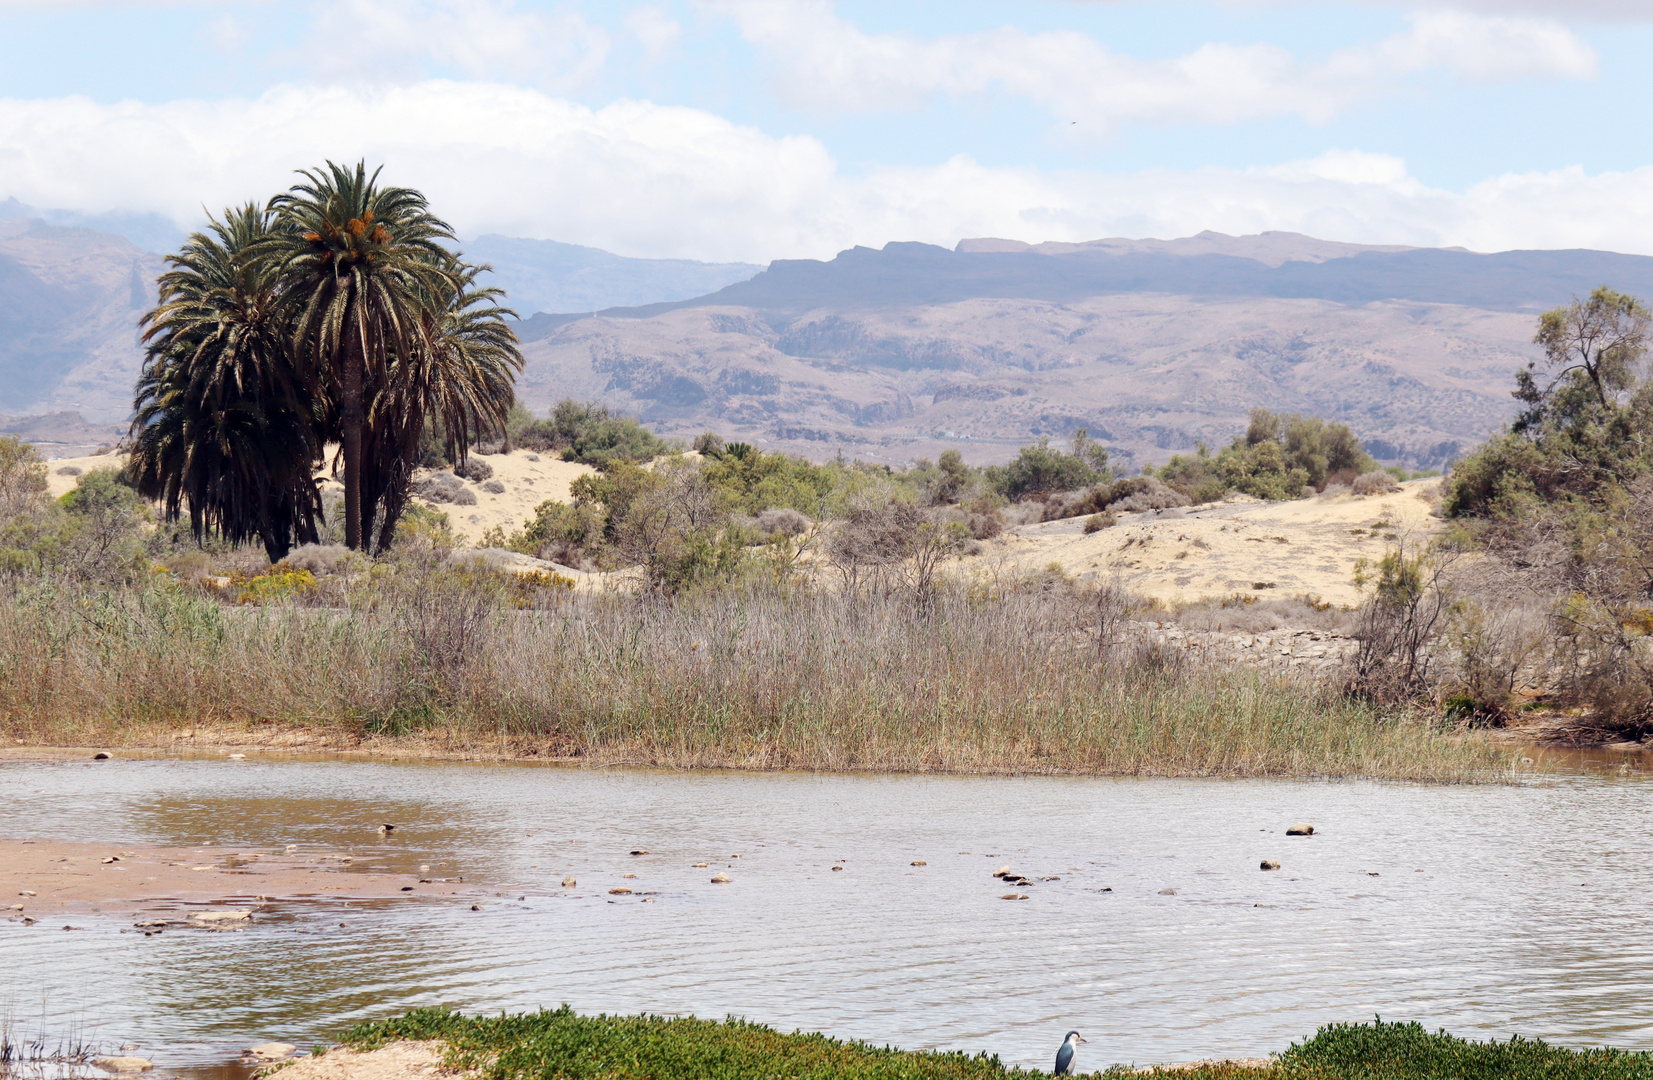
(1154,346)
(544,275)
(70,300)
(908,273)
(151,232)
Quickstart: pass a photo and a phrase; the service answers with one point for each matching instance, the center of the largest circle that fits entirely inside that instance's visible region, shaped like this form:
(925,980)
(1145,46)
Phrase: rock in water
(1269,864)
(271,1051)
(720,879)
(569,883)
(123,1064)
(1302,828)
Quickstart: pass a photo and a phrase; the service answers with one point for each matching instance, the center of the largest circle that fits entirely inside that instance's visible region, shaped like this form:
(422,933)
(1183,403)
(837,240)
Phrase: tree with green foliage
(1587,421)
(1279,457)
(223,422)
(364,267)
(1040,469)
(337,314)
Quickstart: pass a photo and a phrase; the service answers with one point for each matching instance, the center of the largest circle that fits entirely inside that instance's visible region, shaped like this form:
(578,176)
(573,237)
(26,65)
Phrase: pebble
(640,851)
(720,879)
(569,883)
(1013,896)
(622,891)
(1269,864)
(1302,828)
(918,862)
(123,1064)
(271,1051)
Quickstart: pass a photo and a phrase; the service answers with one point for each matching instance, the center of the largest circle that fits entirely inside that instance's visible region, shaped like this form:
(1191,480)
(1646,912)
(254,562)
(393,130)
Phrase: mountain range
(1153,346)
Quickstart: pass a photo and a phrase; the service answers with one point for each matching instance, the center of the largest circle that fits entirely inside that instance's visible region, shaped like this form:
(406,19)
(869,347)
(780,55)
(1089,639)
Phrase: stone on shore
(1302,828)
(1269,864)
(271,1051)
(720,879)
(123,1064)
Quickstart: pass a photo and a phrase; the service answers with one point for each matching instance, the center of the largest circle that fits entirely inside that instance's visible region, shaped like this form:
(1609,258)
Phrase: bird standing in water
(1064,1056)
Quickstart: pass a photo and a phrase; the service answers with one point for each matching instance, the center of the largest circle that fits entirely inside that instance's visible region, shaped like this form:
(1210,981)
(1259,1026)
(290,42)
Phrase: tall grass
(746,678)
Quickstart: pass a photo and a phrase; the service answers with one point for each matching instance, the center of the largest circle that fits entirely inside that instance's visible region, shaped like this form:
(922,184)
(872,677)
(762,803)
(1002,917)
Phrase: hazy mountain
(544,275)
(151,232)
(69,305)
(1154,346)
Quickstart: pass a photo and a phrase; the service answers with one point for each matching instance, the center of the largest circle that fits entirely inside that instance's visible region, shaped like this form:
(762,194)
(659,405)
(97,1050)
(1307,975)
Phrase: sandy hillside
(529,479)
(61,476)
(1294,548)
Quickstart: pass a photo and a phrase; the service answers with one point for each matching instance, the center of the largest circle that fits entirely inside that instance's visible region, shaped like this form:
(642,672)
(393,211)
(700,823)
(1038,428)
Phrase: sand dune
(1305,547)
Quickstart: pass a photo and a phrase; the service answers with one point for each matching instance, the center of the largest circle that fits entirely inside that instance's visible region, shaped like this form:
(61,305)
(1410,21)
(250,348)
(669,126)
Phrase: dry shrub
(1376,482)
(444,487)
(325,559)
(474,469)
(1128,496)
(783,521)
(1247,615)
(1098,522)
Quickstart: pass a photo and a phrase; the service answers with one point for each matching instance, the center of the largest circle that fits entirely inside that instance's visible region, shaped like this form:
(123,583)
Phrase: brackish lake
(1488,910)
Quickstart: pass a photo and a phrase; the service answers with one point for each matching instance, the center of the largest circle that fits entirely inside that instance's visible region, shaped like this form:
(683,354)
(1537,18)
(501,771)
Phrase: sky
(751,130)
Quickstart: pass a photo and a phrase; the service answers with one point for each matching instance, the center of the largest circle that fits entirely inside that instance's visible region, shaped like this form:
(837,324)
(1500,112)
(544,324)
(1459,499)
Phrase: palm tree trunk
(352,419)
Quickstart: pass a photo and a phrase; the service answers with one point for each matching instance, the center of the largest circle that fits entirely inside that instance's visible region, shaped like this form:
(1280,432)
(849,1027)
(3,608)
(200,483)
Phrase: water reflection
(1489,910)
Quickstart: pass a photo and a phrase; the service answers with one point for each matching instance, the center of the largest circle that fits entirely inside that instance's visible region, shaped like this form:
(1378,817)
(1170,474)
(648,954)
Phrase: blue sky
(759,129)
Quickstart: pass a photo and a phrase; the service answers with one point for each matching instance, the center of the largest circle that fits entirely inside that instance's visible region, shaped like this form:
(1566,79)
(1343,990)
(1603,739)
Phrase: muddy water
(1488,910)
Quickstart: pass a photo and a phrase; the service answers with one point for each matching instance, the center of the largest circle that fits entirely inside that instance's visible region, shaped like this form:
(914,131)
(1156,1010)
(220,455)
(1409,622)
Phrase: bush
(782,521)
(474,470)
(325,559)
(1374,482)
(1041,469)
(1279,457)
(1380,1051)
(588,433)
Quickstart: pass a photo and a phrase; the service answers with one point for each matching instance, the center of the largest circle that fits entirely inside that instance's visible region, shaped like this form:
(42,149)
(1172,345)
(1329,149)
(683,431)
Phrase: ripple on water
(1527,915)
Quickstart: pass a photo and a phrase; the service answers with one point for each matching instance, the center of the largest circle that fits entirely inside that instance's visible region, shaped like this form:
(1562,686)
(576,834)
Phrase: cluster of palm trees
(337,314)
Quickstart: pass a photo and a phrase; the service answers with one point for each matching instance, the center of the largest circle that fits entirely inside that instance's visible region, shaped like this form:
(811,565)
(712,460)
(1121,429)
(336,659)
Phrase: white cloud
(643,179)
(823,61)
(656,31)
(368,40)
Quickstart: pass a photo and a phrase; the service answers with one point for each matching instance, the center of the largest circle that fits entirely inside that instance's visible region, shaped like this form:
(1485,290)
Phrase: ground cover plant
(562,1044)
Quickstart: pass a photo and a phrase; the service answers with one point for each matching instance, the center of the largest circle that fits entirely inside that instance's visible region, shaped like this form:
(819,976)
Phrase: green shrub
(1040,469)
(570,1047)
(1380,1051)
(1278,458)
(586,432)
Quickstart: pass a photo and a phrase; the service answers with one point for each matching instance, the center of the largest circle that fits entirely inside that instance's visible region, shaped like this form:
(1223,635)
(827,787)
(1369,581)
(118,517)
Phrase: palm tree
(362,266)
(462,375)
(221,420)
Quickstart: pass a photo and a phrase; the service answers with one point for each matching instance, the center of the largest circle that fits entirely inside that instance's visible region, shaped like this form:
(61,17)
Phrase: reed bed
(753,678)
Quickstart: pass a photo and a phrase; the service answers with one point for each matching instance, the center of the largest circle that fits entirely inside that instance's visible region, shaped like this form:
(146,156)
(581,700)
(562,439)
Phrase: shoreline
(449,746)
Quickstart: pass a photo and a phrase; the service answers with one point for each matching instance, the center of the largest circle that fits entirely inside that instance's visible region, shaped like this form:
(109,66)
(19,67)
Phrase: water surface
(1487,910)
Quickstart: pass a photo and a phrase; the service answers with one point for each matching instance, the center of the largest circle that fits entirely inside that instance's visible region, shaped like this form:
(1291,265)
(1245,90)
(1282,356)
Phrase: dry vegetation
(1029,680)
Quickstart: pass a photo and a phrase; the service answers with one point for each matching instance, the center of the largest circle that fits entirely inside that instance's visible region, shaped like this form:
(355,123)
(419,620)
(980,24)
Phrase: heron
(1064,1056)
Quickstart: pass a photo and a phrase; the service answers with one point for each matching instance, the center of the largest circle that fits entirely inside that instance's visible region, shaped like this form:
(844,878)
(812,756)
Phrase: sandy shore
(194,887)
